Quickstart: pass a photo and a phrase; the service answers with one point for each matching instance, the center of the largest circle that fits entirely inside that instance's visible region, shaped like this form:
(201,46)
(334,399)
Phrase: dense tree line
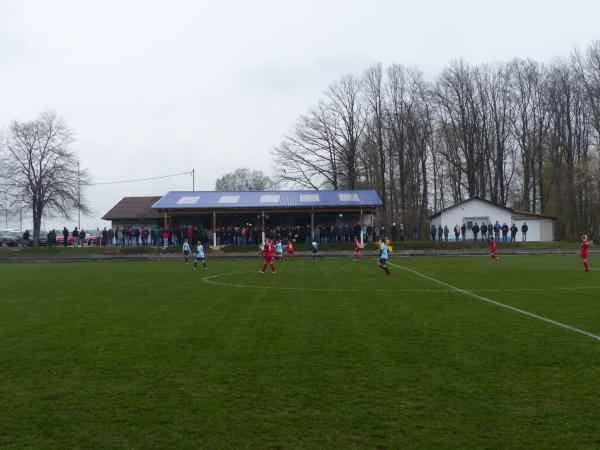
(522,134)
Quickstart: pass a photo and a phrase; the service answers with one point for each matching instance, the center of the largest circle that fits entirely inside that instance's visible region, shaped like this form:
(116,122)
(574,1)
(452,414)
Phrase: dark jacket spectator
(504,232)
(475,231)
(484,230)
(26,238)
(524,229)
(394,231)
(446,232)
(65,234)
(513,233)
(433,232)
(463,231)
(440,232)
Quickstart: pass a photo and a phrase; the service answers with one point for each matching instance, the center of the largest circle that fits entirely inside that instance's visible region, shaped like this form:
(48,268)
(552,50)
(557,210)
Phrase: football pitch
(446,352)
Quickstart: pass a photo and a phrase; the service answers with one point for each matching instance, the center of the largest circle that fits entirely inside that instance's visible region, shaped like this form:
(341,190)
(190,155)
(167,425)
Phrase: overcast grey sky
(152,88)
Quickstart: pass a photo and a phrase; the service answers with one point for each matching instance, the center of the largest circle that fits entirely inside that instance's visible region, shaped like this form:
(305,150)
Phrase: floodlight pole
(193,180)
(214,229)
(312,225)
(263,227)
(361,229)
(78,198)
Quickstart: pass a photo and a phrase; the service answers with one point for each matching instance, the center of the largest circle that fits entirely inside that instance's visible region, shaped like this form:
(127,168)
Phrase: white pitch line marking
(210,280)
(501,305)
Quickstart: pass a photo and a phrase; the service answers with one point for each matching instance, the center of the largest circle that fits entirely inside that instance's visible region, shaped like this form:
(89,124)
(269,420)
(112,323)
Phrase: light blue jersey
(278,248)
(200,252)
(186,247)
(383,251)
(315,246)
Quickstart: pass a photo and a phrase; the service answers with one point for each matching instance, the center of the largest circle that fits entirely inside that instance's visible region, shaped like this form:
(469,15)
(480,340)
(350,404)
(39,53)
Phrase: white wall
(547,230)
(475,210)
(533,225)
(472,210)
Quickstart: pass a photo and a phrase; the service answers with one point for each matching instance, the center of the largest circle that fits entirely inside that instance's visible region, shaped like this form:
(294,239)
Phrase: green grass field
(323,354)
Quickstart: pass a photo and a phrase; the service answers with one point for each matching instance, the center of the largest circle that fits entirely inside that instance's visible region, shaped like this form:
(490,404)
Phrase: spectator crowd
(500,233)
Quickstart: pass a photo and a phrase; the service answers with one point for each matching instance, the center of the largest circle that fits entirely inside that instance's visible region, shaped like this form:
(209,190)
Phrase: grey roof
(268,199)
(133,208)
(468,200)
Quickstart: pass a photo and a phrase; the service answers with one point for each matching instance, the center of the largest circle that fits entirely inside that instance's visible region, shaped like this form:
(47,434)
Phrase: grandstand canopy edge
(289,206)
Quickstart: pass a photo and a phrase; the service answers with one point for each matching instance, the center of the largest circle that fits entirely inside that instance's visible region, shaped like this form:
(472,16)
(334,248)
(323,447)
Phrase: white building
(478,210)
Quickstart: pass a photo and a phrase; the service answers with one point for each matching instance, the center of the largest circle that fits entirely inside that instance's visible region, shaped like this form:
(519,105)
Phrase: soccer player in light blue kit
(200,256)
(186,250)
(315,249)
(383,256)
(279,250)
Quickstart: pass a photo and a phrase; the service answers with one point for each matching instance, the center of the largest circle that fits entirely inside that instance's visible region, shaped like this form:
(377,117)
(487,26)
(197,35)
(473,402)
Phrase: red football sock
(264,267)
(272,267)
(587,266)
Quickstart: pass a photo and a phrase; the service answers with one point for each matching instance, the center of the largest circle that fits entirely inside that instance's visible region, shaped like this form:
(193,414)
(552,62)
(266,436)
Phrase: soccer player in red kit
(356,249)
(289,251)
(268,251)
(584,252)
(493,249)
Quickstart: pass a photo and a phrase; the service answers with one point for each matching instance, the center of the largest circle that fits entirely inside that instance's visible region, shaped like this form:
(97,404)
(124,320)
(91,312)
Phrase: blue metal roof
(267,199)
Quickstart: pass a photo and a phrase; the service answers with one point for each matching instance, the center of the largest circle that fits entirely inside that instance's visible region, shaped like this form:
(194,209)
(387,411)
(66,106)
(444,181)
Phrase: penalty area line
(499,304)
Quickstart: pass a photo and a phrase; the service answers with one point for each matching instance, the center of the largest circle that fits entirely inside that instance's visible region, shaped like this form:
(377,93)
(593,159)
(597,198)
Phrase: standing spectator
(446,232)
(497,231)
(433,232)
(111,235)
(484,230)
(456,232)
(475,231)
(401,232)
(105,237)
(165,237)
(415,233)
(513,233)
(394,231)
(65,234)
(75,237)
(463,231)
(440,232)
(50,243)
(504,232)
(26,239)
(82,237)
(524,229)
(146,235)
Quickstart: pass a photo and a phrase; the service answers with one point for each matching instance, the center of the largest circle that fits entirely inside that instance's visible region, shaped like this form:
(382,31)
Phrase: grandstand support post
(312,225)
(214,228)
(165,219)
(361,222)
(262,227)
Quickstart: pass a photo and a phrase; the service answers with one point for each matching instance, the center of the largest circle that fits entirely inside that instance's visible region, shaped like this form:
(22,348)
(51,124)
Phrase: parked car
(93,240)
(12,238)
(93,237)
(43,240)
(60,240)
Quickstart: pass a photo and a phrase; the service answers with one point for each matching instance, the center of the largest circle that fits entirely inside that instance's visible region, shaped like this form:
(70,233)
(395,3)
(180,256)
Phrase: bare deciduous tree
(40,171)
